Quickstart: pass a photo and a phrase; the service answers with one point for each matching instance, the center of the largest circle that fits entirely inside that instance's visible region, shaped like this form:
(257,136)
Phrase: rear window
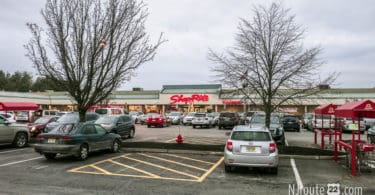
(318,116)
(200,115)
(291,119)
(227,114)
(64,129)
(251,136)
(101,111)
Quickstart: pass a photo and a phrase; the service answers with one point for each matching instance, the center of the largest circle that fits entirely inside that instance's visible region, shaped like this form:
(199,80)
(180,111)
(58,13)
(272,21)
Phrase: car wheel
(83,152)
(274,170)
(227,168)
(20,140)
(116,146)
(219,127)
(50,156)
(184,123)
(148,126)
(131,133)
(193,126)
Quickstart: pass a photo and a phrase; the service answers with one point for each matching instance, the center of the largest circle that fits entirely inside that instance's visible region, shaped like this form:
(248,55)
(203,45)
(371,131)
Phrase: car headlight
(33,129)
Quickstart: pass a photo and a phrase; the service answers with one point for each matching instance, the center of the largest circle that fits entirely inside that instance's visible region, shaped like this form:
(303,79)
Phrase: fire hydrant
(179,139)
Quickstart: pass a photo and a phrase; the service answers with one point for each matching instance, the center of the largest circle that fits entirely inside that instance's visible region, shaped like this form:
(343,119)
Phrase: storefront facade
(189,98)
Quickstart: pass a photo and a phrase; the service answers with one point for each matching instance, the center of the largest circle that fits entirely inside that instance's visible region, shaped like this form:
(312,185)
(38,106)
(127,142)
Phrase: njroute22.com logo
(324,189)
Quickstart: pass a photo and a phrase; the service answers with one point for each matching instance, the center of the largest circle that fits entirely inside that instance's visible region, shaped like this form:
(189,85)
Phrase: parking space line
(170,140)
(135,169)
(174,162)
(100,169)
(296,174)
(162,167)
(211,169)
(95,163)
(21,161)
(187,158)
(3,152)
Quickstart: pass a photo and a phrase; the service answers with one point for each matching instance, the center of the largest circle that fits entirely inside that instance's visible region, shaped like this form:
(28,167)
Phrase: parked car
(119,124)
(144,117)
(71,118)
(242,118)
(202,120)
(135,116)
(176,117)
(215,115)
(305,119)
(23,116)
(38,126)
(63,113)
(371,134)
(109,111)
(369,122)
(291,122)
(10,132)
(159,120)
(249,146)
(41,113)
(77,140)
(348,121)
(328,121)
(248,116)
(228,119)
(188,118)
(276,128)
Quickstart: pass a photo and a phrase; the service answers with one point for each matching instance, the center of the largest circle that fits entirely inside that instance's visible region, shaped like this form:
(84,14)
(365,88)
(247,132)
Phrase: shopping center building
(185,98)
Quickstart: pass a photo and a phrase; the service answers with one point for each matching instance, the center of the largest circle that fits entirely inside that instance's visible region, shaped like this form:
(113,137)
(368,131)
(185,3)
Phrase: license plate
(250,148)
(51,141)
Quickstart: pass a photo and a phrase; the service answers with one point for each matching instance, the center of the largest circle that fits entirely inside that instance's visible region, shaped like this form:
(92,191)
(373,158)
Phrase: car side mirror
(227,133)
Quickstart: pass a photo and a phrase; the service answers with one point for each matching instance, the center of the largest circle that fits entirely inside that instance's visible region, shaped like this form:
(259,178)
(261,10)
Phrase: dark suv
(228,119)
(291,122)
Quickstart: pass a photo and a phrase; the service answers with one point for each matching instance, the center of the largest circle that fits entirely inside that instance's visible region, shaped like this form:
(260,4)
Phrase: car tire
(116,146)
(193,126)
(274,170)
(83,152)
(227,168)
(20,140)
(131,133)
(148,126)
(50,156)
(219,127)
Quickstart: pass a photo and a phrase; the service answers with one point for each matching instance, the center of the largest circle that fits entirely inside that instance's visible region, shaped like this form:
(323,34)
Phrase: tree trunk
(82,114)
(268,114)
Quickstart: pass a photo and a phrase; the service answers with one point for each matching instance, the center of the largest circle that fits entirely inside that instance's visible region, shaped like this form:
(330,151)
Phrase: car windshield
(153,115)
(64,129)
(250,136)
(41,120)
(133,113)
(249,114)
(68,118)
(191,114)
(200,115)
(227,114)
(174,114)
(262,119)
(101,111)
(106,120)
(291,119)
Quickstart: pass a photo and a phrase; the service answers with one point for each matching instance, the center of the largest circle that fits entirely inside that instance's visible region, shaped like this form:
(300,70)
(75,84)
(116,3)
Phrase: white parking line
(21,161)
(12,151)
(296,174)
(170,140)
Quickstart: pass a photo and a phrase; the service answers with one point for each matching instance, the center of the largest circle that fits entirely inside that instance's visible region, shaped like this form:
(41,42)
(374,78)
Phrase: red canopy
(5,106)
(364,108)
(328,109)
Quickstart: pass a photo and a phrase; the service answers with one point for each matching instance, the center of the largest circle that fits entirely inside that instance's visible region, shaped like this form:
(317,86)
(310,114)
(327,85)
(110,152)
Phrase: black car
(291,123)
(228,119)
(120,124)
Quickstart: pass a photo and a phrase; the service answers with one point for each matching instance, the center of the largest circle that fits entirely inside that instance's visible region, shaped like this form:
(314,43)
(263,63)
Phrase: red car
(38,126)
(158,120)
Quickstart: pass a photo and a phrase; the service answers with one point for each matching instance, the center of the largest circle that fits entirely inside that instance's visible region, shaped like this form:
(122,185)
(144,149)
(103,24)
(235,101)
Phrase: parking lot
(26,172)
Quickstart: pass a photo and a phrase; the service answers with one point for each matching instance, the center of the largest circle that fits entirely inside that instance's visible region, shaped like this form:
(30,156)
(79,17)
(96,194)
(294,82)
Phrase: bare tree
(269,60)
(95,46)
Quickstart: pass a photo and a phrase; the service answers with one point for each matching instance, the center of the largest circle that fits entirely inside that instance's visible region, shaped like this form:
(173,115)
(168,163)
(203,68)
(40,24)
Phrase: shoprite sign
(194,97)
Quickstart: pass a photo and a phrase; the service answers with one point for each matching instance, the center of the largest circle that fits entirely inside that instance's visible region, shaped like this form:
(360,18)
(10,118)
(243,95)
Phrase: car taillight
(160,119)
(206,118)
(40,138)
(272,147)
(229,146)
(66,138)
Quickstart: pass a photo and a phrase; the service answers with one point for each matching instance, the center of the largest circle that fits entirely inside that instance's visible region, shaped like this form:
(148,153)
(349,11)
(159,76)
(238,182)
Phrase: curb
(176,151)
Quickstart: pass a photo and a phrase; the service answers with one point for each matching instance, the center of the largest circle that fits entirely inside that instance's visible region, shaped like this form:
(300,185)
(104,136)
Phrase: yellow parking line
(187,158)
(95,163)
(173,162)
(211,169)
(100,169)
(162,167)
(130,167)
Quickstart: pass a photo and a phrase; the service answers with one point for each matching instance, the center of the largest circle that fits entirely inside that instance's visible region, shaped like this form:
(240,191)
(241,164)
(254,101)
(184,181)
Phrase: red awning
(364,108)
(327,109)
(10,106)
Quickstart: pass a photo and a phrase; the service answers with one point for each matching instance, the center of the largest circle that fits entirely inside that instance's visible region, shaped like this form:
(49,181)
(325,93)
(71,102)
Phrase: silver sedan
(251,147)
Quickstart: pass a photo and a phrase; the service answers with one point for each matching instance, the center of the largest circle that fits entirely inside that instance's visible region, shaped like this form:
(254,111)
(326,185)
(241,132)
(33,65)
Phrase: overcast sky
(345,29)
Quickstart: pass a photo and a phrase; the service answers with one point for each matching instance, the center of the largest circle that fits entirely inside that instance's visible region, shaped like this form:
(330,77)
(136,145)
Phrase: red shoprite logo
(195,97)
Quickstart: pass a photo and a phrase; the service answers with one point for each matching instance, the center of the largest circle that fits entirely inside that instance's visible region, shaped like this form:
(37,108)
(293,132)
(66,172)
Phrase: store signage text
(195,97)
(231,102)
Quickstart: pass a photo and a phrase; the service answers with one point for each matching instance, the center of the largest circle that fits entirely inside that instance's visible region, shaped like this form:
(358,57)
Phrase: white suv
(202,120)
